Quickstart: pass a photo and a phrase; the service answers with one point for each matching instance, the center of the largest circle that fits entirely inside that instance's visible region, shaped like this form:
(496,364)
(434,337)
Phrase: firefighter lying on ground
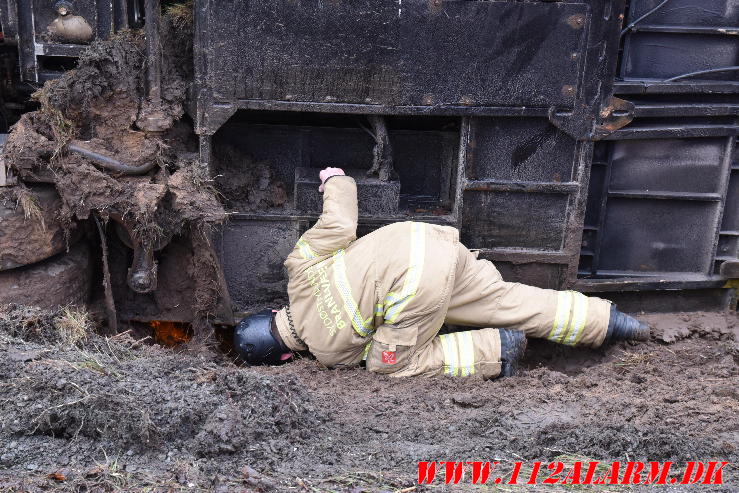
(383,298)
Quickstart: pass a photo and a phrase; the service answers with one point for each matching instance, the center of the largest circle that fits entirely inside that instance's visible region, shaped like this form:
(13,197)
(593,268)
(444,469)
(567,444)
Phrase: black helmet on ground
(622,327)
(255,341)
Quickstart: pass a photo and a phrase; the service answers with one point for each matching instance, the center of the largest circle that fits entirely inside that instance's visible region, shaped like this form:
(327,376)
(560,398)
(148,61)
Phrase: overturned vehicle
(169,162)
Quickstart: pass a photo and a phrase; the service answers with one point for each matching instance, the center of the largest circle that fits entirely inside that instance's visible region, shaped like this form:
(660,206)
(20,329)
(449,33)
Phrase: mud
(245,185)
(121,415)
(120,396)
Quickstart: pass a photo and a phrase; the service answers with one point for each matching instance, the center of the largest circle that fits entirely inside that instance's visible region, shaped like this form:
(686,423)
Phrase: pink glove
(327,173)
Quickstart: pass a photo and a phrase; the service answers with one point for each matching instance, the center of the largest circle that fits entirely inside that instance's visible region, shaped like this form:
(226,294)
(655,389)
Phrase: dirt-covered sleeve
(337,226)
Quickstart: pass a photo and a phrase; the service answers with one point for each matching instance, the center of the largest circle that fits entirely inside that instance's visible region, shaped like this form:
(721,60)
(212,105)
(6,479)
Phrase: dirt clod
(96,106)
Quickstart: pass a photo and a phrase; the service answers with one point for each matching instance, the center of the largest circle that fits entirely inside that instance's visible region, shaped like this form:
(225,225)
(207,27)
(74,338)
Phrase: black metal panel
(520,184)
(595,195)
(674,300)
(665,55)
(658,205)
(727,246)
(668,165)
(728,243)
(680,13)
(676,39)
(534,274)
(514,220)
(731,216)
(253,253)
(657,236)
(396,53)
(519,149)
(660,202)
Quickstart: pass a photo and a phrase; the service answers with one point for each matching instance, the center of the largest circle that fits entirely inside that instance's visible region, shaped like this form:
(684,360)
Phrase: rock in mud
(58,281)
(32,232)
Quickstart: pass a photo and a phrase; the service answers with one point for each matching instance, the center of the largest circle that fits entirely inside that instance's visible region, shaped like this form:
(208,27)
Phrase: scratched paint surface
(404,52)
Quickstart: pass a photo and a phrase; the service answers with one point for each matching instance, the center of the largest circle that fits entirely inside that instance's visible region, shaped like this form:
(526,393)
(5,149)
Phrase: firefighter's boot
(512,347)
(622,327)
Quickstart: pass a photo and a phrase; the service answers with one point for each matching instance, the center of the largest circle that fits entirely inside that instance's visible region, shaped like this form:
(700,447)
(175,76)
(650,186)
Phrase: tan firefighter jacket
(388,286)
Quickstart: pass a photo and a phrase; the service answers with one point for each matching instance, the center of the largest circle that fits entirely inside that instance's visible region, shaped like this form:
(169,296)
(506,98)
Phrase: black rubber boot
(622,327)
(512,347)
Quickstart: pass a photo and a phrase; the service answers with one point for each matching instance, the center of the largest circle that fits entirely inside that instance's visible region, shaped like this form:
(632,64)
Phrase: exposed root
(107,286)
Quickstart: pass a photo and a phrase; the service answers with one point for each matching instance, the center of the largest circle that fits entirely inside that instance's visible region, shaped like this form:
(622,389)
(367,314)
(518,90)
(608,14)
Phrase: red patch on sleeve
(388,357)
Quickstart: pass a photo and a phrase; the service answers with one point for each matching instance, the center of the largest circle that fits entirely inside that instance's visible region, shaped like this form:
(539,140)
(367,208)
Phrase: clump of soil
(33,324)
(99,102)
(246,185)
(97,106)
(31,229)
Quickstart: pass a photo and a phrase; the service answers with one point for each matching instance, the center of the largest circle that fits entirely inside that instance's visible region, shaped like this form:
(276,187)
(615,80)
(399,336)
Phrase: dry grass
(626,359)
(74,324)
(147,231)
(182,14)
(61,127)
(30,205)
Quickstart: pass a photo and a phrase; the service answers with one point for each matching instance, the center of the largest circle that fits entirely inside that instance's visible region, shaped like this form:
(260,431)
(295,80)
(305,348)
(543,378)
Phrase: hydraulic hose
(108,162)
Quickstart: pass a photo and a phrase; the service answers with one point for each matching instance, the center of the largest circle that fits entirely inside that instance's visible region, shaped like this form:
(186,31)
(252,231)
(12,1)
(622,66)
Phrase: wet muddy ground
(120,415)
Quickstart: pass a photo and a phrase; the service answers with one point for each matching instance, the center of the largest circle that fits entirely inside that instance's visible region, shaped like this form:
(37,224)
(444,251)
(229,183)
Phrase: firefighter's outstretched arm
(337,226)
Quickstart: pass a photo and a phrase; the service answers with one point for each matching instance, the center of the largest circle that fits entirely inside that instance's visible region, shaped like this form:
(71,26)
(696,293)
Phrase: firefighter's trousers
(480,298)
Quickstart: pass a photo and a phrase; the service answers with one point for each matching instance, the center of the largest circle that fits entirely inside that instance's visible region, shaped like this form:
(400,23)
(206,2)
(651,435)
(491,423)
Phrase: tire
(58,281)
(26,241)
